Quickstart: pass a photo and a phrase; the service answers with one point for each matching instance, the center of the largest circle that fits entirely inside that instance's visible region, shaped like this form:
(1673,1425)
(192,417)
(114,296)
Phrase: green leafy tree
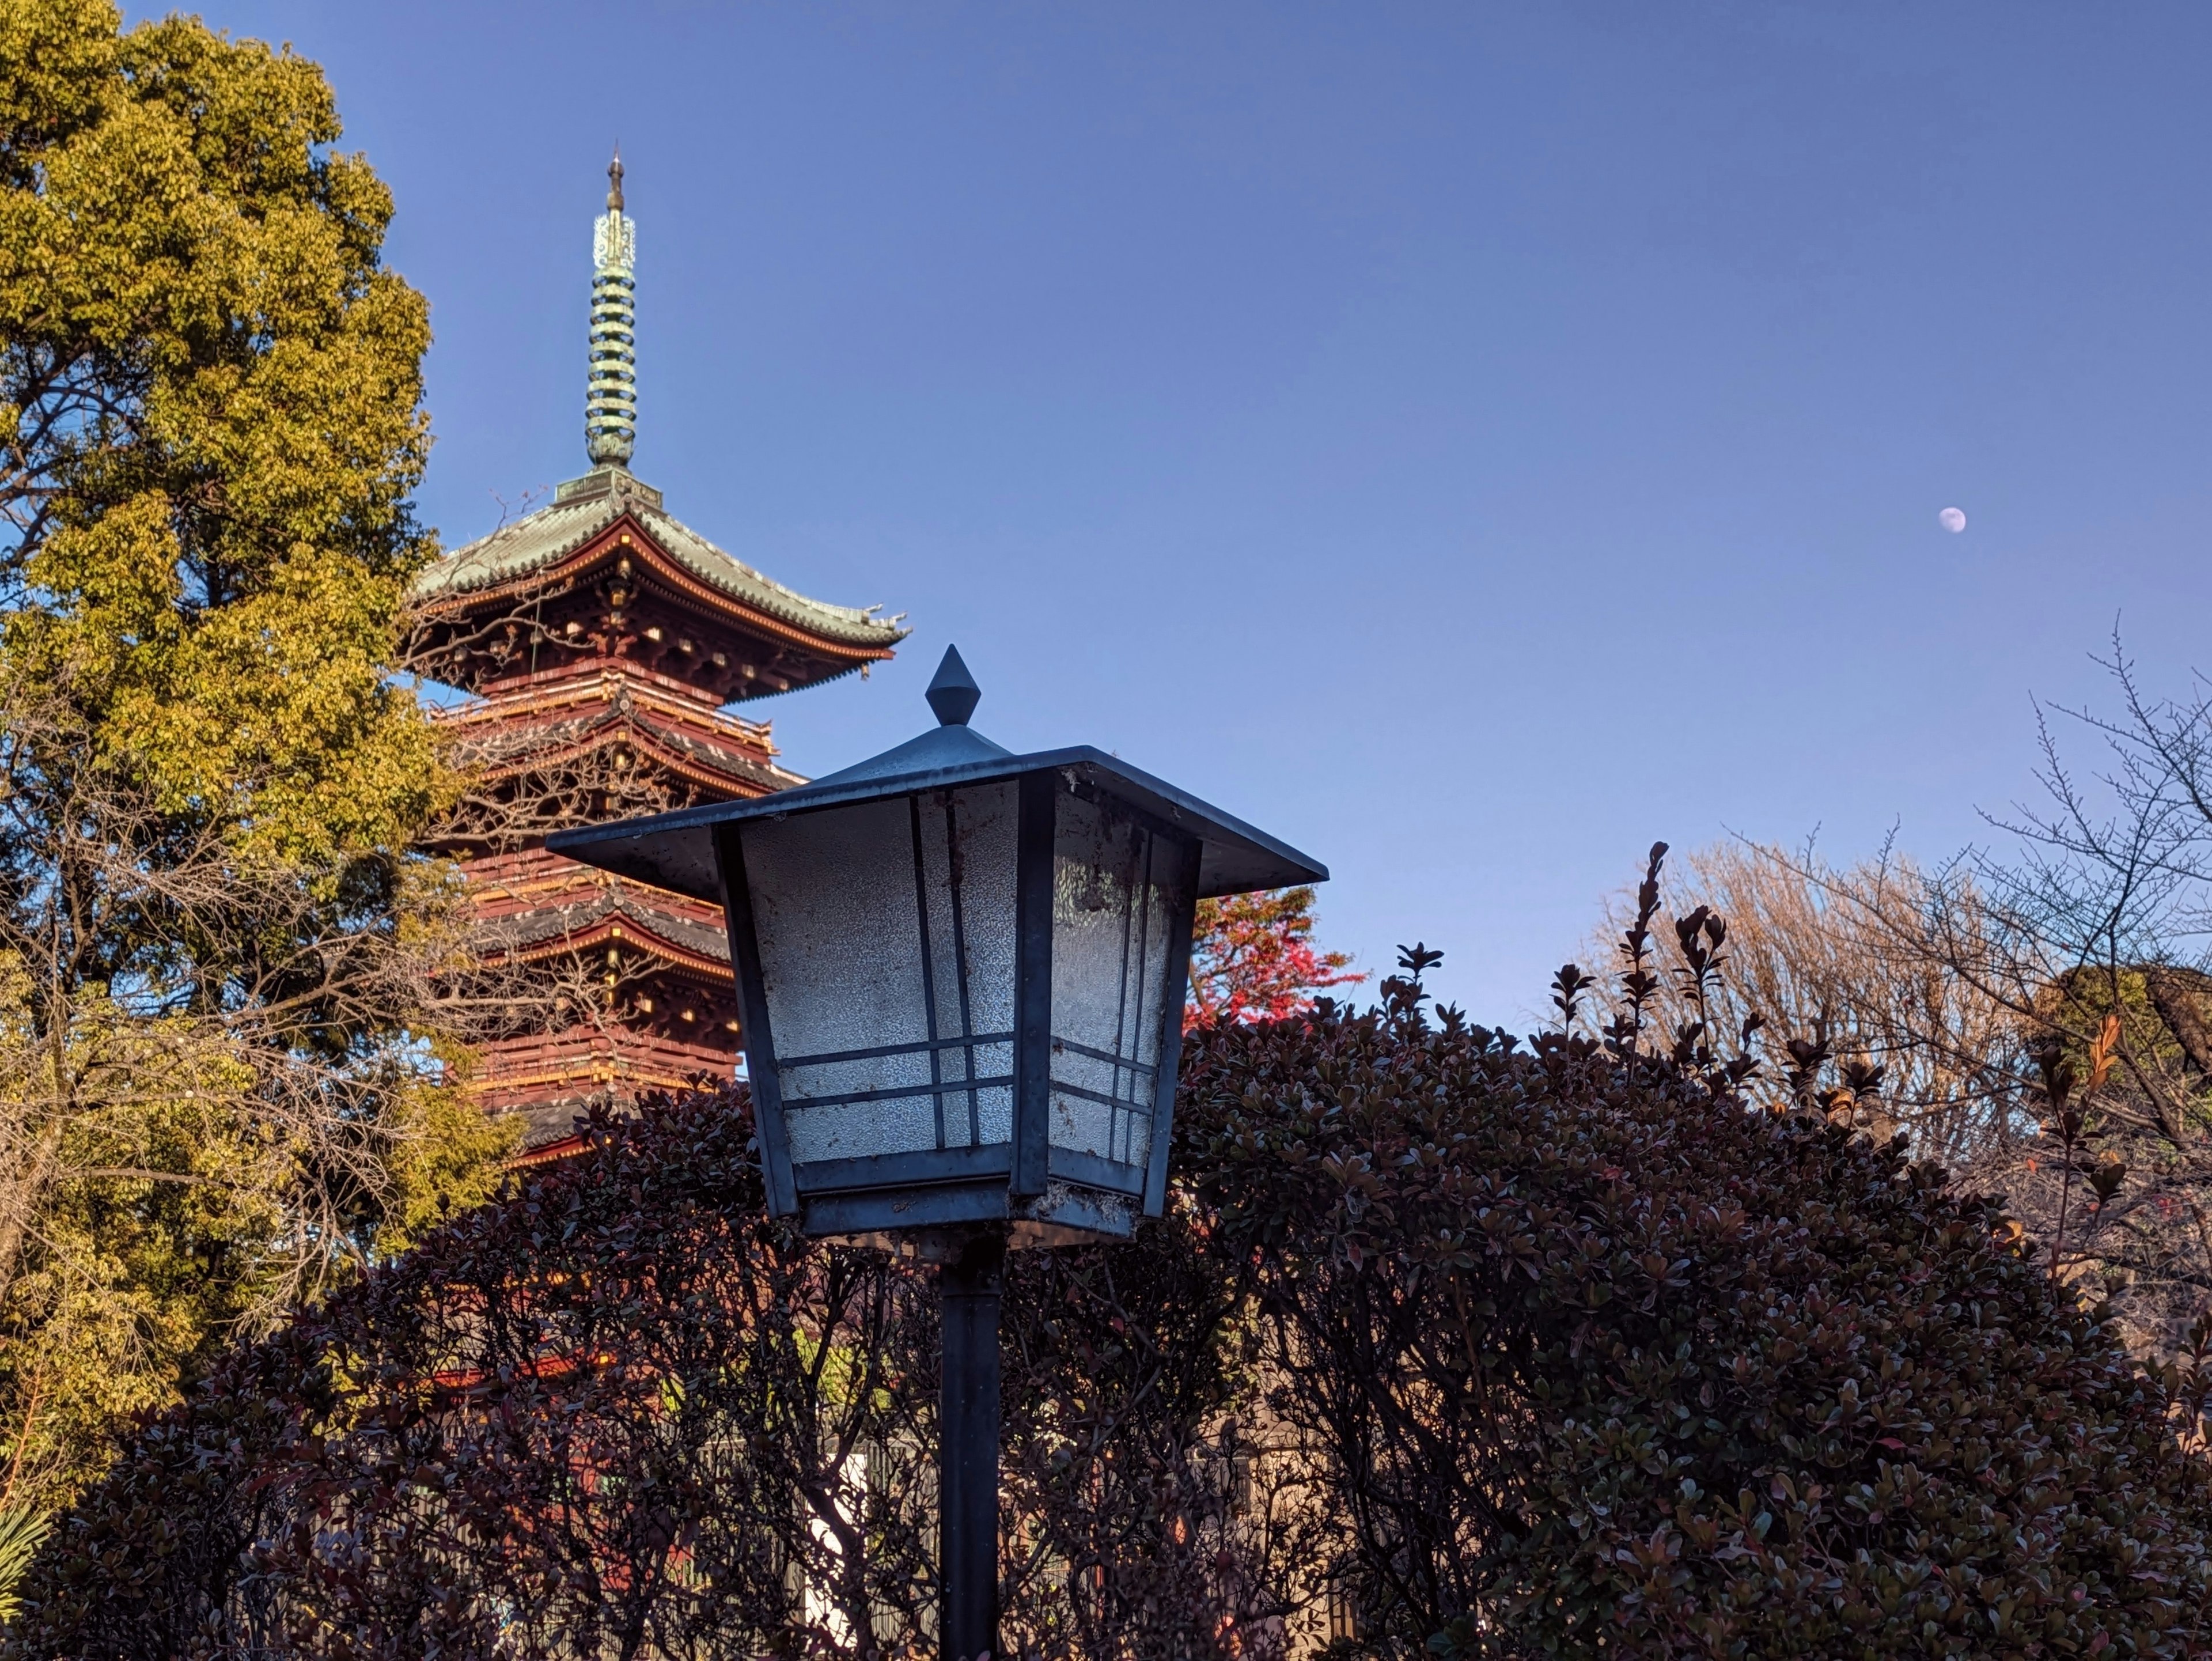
(218,966)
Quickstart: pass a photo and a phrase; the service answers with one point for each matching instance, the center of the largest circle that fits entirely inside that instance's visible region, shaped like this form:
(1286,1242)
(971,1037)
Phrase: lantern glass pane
(967,853)
(1116,890)
(886,935)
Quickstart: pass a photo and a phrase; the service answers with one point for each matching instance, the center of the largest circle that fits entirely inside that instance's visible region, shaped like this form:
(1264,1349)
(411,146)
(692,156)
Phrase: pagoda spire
(611,407)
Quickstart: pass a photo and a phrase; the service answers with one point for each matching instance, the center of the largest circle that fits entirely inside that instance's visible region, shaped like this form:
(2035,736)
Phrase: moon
(1953,519)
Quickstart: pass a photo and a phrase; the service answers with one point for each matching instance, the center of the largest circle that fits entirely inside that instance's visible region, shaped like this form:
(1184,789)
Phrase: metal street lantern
(961,973)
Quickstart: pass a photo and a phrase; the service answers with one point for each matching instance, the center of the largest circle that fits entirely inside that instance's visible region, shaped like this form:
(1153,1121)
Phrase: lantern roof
(677,850)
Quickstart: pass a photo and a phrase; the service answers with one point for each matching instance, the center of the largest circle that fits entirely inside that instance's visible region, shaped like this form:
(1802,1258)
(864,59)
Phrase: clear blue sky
(1470,442)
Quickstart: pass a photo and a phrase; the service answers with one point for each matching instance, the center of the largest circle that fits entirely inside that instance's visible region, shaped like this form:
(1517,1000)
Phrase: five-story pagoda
(601,640)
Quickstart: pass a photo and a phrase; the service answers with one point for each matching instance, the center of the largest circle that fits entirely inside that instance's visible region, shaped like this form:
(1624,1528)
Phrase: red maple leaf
(1253,958)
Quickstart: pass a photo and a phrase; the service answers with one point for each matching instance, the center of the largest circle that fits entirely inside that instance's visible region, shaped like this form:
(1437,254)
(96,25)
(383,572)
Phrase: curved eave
(709,578)
(624,930)
(546,1153)
(856,667)
(565,694)
(646,742)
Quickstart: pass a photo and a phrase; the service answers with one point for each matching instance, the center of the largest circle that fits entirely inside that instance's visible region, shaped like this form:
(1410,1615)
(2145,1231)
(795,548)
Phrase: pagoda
(601,642)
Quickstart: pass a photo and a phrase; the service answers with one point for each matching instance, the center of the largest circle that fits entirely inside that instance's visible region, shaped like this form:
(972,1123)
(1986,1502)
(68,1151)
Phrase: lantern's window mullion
(1063,1087)
(897,1093)
(956,1041)
(1097,1055)
(1110,938)
(928,965)
(1121,992)
(1140,897)
(954,873)
(1129,918)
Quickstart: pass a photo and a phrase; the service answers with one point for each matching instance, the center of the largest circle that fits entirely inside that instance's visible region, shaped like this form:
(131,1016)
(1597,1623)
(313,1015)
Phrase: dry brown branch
(206,1055)
(1893,967)
(2042,1015)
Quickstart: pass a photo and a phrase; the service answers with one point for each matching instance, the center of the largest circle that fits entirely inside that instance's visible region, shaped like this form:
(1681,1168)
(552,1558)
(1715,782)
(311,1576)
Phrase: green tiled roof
(584,506)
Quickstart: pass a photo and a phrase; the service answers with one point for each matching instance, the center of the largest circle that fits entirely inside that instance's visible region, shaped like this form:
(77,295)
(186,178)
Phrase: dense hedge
(619,1413)
(1609,1363)
(1582,1356)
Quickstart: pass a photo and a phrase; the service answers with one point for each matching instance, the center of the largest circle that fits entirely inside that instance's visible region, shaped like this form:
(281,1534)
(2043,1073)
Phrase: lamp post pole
(968,1449)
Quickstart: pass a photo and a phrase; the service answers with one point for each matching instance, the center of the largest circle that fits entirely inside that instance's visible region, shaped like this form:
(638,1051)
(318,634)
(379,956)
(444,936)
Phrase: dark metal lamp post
(962,975)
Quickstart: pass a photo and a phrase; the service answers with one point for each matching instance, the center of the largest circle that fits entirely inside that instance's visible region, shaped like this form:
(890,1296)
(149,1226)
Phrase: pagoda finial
(610,405)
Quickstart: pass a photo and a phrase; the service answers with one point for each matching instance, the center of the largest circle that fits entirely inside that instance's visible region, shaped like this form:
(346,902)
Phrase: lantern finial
(953,693)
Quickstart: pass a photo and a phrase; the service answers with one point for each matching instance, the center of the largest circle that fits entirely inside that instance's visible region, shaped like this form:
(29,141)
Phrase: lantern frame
(1041,1192)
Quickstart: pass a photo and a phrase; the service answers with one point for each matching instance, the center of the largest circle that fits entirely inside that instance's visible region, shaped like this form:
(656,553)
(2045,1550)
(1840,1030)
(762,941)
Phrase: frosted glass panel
(908,1070)
(905,1125)
(995,1108)
(1086,1126)
(840,943)
(964,850)
(1121,1133)
(887,942)
(1091,1073)
(968,871)
(1117,889)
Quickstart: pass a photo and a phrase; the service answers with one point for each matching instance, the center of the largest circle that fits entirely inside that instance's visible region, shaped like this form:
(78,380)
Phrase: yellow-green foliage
(448,1156)
(221,580)
(216,1044)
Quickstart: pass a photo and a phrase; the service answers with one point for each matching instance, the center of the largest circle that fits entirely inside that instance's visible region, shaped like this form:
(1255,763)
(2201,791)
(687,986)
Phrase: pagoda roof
(533,905)
(559,716)
(547,1081)
(583,508)
(626,919)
